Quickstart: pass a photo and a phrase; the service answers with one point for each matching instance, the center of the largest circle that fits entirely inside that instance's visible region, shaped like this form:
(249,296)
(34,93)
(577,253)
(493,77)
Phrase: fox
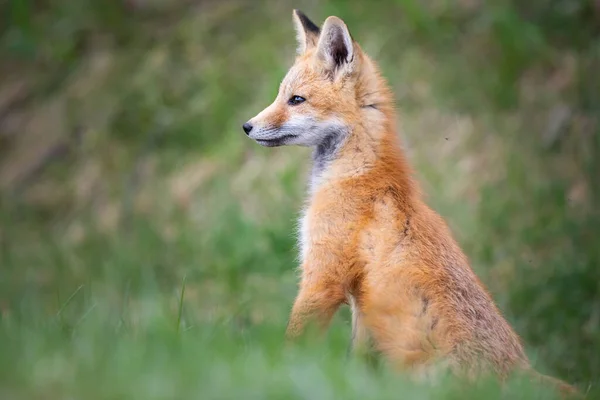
(366,236)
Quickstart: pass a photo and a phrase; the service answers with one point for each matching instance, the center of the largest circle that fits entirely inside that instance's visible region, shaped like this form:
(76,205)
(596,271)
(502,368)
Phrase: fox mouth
(280,141)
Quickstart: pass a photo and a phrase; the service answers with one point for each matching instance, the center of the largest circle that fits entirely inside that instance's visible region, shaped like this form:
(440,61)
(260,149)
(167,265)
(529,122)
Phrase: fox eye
(295,100)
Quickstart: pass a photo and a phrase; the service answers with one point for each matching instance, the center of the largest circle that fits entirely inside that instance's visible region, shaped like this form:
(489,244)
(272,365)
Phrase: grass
(155,362)
(155,258)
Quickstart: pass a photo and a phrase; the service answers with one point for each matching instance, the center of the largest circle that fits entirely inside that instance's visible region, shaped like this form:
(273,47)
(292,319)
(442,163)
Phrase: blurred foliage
(124,173)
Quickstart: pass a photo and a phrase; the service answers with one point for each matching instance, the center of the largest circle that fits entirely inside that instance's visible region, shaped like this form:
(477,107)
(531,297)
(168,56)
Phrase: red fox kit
(367,238)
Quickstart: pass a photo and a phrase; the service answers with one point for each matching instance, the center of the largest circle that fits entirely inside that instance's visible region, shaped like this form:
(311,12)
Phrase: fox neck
(325,154)
(370,142)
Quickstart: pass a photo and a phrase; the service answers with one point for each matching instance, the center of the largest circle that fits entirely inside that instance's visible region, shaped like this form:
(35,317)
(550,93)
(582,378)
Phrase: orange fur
(372,242)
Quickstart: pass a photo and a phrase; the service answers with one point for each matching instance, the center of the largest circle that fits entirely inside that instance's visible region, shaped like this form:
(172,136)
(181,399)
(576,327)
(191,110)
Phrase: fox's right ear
(307,32)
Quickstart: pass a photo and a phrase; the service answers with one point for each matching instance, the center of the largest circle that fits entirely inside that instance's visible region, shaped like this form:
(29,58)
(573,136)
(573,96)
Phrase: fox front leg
(316,302)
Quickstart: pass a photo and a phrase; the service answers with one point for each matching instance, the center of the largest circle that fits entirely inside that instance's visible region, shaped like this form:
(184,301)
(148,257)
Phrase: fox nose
(247,128)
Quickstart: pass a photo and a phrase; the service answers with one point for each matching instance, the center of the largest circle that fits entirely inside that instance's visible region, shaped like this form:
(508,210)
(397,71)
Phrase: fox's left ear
(336,47)
(306,31)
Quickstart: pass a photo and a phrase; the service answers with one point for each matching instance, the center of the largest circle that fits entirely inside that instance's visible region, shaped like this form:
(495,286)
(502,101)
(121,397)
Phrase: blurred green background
(147,247)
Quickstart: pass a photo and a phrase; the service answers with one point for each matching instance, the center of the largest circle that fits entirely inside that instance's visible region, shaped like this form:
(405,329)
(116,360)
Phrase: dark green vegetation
(147,247)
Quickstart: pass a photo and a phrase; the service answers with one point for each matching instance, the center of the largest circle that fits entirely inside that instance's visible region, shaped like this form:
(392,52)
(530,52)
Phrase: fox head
(318,96)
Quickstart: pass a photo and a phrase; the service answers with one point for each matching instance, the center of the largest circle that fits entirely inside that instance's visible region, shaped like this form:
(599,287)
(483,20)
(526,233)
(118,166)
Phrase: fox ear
(307,32)
(336,47)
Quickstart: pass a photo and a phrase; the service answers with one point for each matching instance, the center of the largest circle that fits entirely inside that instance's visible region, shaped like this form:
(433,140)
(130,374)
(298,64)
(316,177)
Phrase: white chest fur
(304,236)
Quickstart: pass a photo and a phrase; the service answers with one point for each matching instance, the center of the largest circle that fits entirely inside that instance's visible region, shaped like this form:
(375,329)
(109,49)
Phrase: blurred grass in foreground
(125,178)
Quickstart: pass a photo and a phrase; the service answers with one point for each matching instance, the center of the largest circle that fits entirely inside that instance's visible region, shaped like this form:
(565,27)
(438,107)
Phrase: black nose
(247,128)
